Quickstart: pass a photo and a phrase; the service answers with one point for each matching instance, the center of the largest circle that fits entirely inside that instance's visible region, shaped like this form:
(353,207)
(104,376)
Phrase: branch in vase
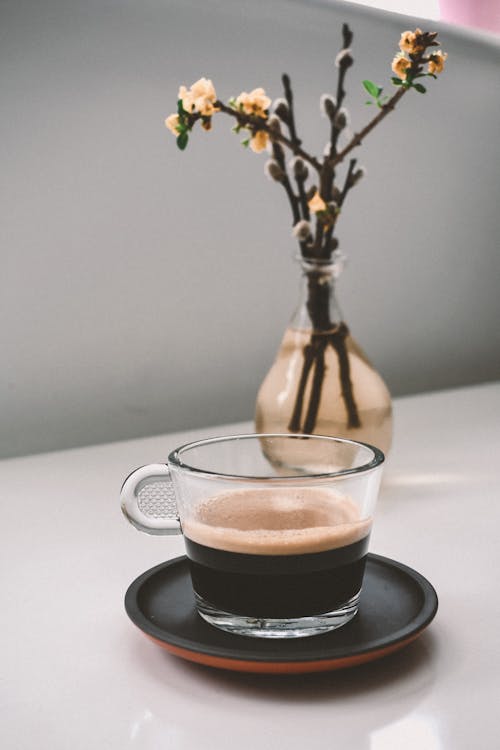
(309,354)
(316,387)
(338,341)
(251,112)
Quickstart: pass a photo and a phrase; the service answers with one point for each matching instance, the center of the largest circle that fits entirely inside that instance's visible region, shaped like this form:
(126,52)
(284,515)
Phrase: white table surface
(77,675)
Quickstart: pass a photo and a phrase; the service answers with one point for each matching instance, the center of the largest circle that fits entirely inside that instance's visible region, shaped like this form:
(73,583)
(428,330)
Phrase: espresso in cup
(277,553)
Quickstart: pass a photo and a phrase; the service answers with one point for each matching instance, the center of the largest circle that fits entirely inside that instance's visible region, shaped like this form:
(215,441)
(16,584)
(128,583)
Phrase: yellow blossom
(317,204)
(201,97)
(255,103)
(400,65)
(436,62)
(187,100)
(259,141)
(172,122)
(411,42)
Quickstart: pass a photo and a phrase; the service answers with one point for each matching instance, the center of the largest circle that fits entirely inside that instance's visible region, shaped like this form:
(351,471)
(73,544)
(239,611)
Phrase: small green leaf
(236,129)
(371,88)
(182,141)
(379,91)
(397,81)
(246,142)
(431,75)
(180,109)
(421,89)
(369,101)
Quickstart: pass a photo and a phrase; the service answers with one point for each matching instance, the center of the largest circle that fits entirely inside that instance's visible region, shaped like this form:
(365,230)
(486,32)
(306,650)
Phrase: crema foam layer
(277,521)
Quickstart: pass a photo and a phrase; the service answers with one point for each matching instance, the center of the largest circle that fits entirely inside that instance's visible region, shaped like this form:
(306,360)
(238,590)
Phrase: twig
(279,156)
(358,137)
(309,356)
(338,341)
(302,197)
(258,123)
(316,388)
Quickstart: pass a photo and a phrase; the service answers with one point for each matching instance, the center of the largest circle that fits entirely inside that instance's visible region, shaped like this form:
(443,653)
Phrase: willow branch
(335,132)
(348,184)
(291,117)
(290,123)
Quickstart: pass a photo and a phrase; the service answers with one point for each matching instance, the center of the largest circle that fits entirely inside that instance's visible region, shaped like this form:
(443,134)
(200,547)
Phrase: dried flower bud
(334,243)
(333,207)
(327,149)
(302,230)
(341,118)
(344,59)
(437,61)
(280,109)
(412,42)
(273,170)
(299,168)
(327,105)
(274,124)
(336,195)
(317,204)
(400,65)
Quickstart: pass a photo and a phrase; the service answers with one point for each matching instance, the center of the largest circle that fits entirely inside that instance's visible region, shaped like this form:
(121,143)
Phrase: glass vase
(321,382)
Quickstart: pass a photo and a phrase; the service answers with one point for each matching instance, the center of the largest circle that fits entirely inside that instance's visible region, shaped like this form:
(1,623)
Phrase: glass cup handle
(148,500)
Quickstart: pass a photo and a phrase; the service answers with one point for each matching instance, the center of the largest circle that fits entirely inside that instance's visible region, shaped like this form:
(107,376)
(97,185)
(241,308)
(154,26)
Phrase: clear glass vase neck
(317,308)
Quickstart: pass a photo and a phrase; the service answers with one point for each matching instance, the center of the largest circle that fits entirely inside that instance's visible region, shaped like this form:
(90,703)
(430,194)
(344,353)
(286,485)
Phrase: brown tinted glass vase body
(321,382)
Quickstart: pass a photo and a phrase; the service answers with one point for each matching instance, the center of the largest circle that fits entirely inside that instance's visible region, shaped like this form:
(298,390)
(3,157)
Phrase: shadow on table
(412,666)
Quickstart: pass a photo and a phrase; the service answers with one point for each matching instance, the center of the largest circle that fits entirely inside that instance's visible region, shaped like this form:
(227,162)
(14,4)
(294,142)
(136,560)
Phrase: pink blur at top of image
(481,14)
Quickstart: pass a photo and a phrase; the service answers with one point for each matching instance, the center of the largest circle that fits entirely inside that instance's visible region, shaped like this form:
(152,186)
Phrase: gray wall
(144,290)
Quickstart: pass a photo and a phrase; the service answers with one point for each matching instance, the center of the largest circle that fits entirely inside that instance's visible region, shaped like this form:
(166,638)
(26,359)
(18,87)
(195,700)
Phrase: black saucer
(397,603)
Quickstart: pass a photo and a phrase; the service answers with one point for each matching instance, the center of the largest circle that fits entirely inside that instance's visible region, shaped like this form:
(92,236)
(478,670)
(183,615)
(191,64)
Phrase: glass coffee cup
(273,553)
